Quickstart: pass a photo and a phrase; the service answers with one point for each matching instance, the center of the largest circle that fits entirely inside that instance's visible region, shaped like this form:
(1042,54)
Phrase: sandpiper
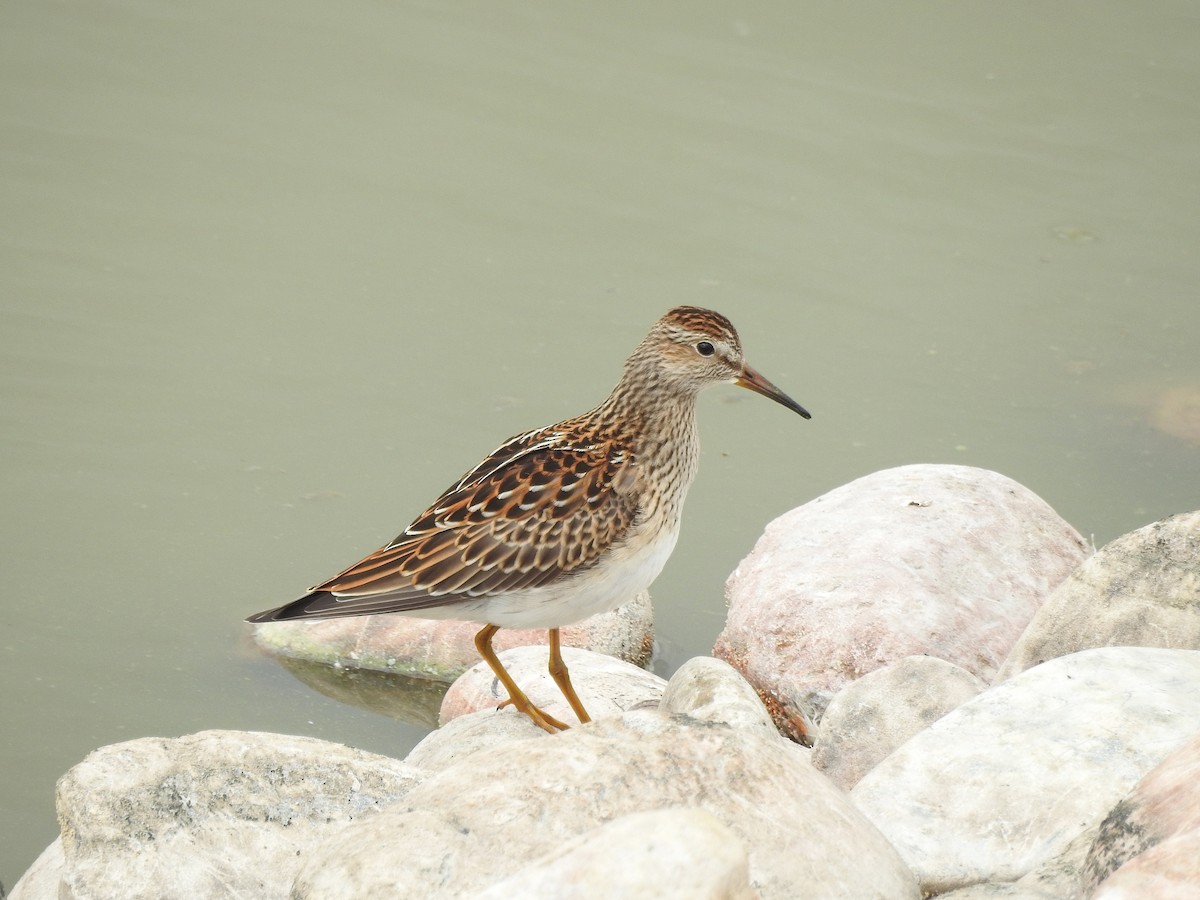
(559,523)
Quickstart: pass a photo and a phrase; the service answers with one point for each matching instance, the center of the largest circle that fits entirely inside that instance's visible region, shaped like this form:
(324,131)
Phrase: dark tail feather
(317,605)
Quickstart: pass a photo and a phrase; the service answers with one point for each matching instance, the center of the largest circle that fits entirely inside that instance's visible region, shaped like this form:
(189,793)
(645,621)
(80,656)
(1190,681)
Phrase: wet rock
(682,853)
(1007,780)
(441,650)
(945,561)
(1176,411)
(605,685)
(871,717)
(1164,805)
(214,814)
(1140,590)
(480,821)
(704,689)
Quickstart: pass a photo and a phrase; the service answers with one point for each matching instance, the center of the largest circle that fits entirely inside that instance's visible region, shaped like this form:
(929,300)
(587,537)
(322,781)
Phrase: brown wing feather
(535,510)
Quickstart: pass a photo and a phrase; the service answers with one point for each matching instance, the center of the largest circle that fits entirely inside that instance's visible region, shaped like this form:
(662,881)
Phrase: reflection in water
(412,700)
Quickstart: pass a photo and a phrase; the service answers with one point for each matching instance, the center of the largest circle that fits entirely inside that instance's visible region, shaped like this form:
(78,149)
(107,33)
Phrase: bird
(562,522)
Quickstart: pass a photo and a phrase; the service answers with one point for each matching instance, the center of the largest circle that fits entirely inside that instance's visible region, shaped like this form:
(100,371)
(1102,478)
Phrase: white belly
(617,579)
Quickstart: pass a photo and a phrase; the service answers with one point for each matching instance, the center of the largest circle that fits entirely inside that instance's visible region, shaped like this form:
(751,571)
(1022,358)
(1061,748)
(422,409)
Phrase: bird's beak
(755,382)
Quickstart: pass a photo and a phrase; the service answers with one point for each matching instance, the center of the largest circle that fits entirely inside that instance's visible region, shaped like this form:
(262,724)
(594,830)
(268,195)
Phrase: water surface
(273,275)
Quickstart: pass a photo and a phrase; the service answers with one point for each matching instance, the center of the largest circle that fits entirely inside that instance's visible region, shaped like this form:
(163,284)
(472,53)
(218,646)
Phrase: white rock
(43,878)
(871,717)
(1056,879)
(710,690)
(480,821)
(1164,805)
(1141,590)
(606,686)
(945,561)
(467,734)
(1008,779)
(668,854)
(214,814)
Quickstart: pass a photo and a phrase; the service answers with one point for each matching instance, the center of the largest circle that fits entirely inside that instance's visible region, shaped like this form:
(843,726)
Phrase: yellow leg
(558,671)
(516,696)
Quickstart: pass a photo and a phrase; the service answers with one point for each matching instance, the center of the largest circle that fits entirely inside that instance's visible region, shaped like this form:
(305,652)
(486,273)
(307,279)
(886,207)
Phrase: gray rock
(669,854)
(710,690)
(480,821)
(1007,780)
(216,814)
(871,717)
(1141,590)
(944,561)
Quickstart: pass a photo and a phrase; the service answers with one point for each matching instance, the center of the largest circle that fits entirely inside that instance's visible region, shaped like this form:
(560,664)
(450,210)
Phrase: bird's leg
(516,696)
(558,671)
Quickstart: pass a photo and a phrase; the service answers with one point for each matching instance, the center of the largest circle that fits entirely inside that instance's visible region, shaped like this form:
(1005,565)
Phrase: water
(273,275)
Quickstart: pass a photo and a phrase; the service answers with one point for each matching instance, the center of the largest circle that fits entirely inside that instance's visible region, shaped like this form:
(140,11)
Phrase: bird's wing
(540,507)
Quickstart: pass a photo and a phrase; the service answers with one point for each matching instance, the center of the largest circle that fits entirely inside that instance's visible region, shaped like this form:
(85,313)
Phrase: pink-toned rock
(1168,871)
(1164,807)
(607,686)
(948,561)
(441,650)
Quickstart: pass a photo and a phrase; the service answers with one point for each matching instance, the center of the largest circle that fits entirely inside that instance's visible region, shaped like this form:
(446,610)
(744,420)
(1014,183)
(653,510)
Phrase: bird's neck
(658,418)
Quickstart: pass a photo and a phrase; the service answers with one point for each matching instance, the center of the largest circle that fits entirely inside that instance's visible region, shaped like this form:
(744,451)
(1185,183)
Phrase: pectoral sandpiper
(559,523)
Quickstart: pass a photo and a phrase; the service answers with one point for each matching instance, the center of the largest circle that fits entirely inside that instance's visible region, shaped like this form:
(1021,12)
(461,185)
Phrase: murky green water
(272,275)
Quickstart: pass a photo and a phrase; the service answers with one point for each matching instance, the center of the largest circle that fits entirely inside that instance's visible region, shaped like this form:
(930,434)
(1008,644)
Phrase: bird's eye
(704,348)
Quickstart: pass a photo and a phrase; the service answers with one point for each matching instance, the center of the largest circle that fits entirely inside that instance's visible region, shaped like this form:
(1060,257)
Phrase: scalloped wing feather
(538,509)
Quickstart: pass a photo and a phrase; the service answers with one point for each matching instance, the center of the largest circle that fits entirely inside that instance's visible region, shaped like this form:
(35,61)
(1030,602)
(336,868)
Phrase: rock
(479,821)
(1164,805)
(1167,871)
(466,734)
(44,876)
(871,717)
(1007,780)
(1141,590)
(1177,412)
(682,853)
(605,685)
(441,650)
(1056,879)
(214,814)
(944,561)
(704,689)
